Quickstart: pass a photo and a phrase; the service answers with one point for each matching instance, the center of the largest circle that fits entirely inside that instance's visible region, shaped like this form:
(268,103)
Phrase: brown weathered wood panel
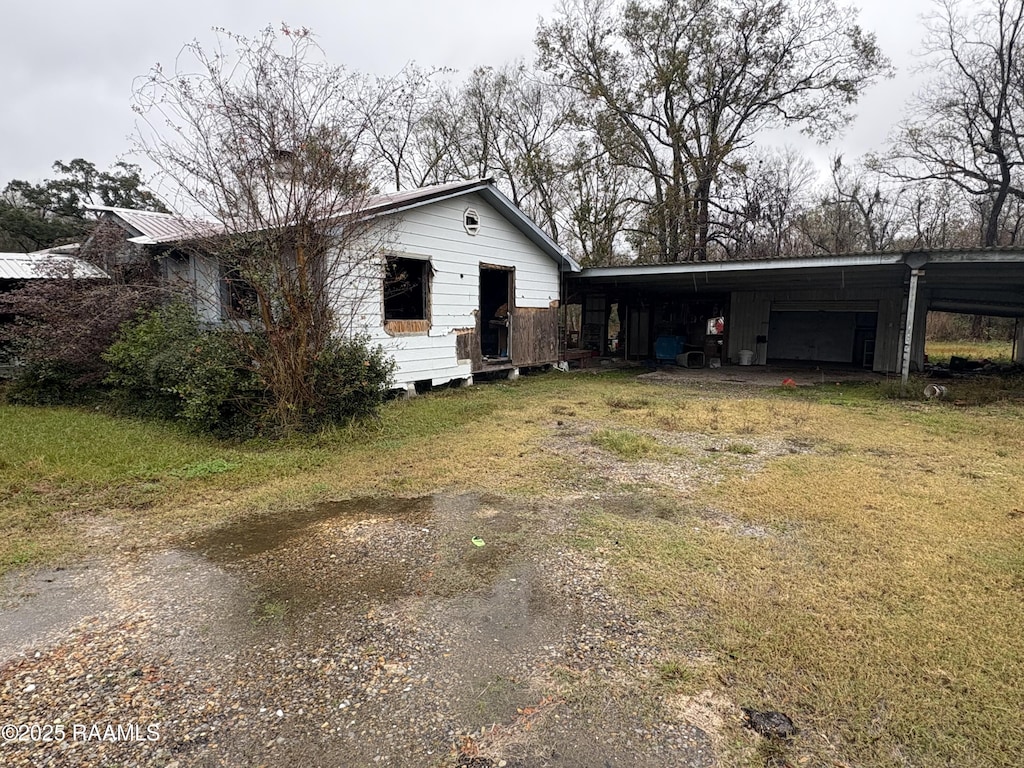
(467,346)
(470,344)
(397,327)
(534,335)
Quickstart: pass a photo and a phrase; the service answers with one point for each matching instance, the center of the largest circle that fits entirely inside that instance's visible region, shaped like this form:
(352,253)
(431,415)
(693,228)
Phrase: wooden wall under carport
(750,313)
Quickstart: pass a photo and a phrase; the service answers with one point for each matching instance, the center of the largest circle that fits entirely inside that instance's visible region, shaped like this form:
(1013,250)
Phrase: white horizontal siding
(435,232)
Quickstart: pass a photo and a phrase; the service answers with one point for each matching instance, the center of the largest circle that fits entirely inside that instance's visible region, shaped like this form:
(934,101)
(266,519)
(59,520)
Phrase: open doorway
(496,286)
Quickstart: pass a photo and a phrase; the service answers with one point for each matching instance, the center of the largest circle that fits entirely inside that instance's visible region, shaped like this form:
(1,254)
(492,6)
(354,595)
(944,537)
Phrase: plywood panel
(534,336)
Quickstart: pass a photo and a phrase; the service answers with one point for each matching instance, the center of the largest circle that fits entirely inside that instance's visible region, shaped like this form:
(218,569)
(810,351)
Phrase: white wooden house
(479,282)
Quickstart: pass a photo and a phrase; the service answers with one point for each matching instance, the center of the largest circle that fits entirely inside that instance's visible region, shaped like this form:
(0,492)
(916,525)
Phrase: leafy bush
(351,379)
(49,382)
(60,329)
(165,364)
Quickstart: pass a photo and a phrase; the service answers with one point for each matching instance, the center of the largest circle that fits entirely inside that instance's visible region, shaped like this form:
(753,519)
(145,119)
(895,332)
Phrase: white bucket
(746,357)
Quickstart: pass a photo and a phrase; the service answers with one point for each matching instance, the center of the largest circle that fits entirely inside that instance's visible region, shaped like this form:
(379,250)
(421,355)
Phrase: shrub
(351,379)
(50,382)
(61,328)
(165,364)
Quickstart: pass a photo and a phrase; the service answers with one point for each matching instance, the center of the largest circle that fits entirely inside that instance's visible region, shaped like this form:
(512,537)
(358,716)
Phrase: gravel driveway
(365,633)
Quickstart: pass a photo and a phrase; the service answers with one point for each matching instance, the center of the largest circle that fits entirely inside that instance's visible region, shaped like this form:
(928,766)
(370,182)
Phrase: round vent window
(471,221)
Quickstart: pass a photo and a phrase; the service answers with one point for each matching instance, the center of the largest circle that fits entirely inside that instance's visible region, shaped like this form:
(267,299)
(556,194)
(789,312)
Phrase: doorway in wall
(496,286)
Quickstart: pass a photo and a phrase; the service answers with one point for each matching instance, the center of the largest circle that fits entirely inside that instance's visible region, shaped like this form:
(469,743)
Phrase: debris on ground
(770,724)
(962,366)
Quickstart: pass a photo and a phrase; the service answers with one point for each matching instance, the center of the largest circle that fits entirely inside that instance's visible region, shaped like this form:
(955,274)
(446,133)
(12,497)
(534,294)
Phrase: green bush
(352,378)
(50,382)
(164,364)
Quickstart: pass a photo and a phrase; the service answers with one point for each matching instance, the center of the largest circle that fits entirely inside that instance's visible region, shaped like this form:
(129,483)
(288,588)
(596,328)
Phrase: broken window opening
(407,294)
(238,297)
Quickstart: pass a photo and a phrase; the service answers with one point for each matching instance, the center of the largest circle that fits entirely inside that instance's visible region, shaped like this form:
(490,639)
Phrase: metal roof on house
(48,264)
(151,227)
(157,228)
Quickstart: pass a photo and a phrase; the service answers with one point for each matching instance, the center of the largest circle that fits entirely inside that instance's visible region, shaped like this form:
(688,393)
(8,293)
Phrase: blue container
(667,347)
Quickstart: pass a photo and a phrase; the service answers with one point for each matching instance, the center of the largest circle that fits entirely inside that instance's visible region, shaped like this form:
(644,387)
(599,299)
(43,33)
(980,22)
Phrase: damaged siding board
(467,346)
(398,327)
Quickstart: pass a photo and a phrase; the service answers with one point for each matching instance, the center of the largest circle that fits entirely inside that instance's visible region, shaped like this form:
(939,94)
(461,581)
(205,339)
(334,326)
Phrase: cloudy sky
(67,66)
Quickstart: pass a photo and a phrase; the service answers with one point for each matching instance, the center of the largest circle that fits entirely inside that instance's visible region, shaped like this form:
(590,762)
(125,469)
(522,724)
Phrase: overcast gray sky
(67,66)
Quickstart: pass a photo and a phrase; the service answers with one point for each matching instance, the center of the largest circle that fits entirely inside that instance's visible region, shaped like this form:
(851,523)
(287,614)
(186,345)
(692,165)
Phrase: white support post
(908,334)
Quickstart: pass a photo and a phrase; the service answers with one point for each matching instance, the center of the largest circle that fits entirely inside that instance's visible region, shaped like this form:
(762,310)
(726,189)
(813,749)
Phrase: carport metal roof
(980,281)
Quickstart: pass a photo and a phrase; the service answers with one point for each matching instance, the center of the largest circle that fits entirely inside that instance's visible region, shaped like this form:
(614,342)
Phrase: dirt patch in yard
(439,631)
(679,461)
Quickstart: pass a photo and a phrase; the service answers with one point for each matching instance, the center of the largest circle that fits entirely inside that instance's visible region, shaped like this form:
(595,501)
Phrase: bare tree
(858,210)
(260,137)
(966,126)
(682,85)
(600,204)
(401,115)
(771,190)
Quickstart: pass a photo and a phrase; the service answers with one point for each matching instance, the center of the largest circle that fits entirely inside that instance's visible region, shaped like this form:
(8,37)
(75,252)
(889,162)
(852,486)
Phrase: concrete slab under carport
(763,375)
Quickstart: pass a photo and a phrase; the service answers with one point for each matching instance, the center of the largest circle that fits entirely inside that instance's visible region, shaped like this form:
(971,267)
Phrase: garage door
(821,336)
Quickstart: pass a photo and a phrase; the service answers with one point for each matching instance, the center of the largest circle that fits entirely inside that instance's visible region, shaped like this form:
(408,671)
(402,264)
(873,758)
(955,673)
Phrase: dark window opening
(406,289)
(238,297)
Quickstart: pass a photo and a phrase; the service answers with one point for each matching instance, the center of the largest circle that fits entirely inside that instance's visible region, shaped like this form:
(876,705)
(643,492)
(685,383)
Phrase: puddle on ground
(370,550)
(296,569)
(253,536)
(36,606)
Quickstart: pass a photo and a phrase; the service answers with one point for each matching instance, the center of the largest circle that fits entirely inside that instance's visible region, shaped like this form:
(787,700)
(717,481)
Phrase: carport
(860,309)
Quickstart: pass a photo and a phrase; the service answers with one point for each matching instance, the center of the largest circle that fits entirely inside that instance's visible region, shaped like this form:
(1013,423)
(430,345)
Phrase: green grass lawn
(867,578)
(941,351)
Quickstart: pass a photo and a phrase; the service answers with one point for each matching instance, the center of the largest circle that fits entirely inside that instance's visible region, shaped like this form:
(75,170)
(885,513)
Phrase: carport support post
(908,334)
